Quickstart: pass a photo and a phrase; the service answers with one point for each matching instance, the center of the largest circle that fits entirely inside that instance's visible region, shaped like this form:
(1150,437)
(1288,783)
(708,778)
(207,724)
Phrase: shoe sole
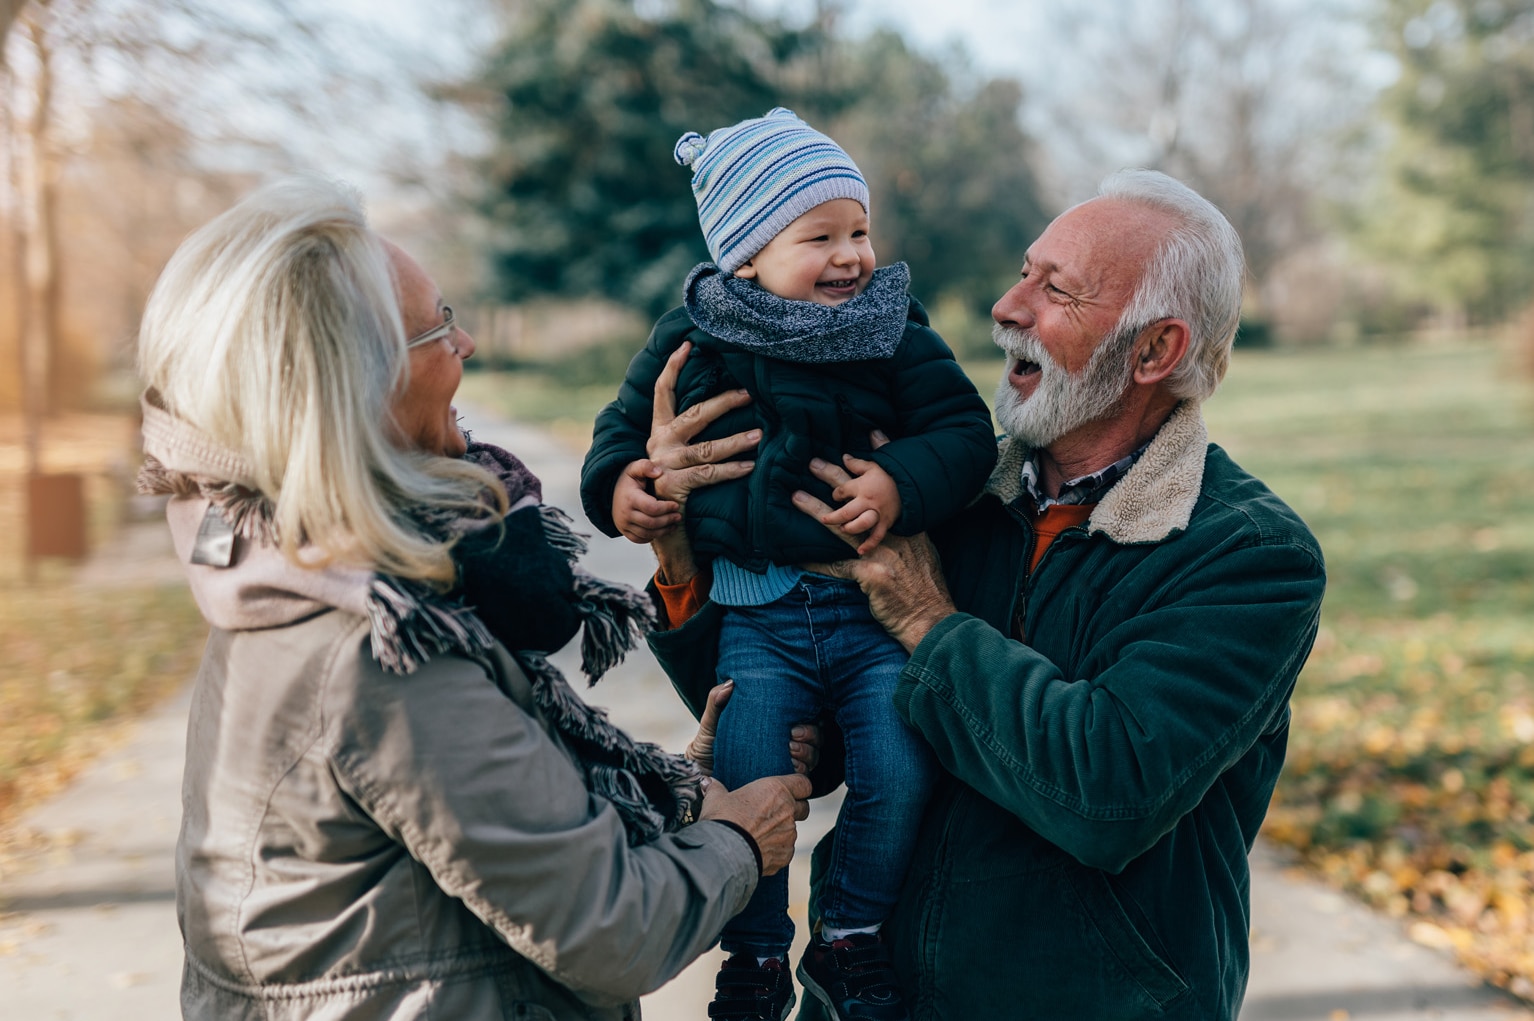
(813,988)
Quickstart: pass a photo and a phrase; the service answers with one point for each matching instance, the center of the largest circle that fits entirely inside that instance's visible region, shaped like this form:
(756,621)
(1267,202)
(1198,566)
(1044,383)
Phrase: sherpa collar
(1154,499)
(870,326)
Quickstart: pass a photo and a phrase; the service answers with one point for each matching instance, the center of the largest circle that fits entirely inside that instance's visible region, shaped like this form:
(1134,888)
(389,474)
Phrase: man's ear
(746,271)
(1161,349)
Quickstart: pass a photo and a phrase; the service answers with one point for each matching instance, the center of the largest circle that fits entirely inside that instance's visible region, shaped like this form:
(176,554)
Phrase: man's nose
(1011,309)
(464,345)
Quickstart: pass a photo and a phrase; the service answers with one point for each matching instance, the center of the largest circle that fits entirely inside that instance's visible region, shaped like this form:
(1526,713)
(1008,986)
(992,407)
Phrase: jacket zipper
(1030,571)
(1019,615)
(756,488)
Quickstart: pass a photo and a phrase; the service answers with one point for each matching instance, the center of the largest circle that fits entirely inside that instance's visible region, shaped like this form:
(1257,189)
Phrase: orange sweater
(684,600)
(1055,520)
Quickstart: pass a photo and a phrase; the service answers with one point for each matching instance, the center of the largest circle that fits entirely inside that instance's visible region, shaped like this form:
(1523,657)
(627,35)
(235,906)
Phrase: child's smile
(824,256)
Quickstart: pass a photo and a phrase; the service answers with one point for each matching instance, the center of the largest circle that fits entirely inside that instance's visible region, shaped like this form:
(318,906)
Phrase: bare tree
(1247,100)
(9,9)
(195,88)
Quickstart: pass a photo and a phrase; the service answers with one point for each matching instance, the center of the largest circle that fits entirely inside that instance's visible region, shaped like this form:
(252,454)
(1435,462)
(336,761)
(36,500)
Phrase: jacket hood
(260,588)
(1155,498)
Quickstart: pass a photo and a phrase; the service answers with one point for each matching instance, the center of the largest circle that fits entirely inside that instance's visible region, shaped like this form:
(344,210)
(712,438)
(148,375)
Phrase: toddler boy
(831,349)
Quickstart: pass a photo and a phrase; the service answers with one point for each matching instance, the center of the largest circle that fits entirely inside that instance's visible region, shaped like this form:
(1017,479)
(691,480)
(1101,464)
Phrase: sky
(997,33)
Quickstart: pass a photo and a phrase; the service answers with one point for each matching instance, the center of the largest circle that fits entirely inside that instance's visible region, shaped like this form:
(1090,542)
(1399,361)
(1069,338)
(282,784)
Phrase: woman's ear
(746,271)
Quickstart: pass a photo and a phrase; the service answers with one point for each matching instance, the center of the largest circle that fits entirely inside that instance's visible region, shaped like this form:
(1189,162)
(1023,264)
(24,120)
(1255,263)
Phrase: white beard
(1062,401)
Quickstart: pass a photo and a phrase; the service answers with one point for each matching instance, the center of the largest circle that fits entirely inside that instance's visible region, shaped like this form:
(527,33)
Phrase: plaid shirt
(1086,489)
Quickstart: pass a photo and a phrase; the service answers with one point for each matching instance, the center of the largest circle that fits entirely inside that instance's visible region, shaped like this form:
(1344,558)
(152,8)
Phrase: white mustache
(1022,345)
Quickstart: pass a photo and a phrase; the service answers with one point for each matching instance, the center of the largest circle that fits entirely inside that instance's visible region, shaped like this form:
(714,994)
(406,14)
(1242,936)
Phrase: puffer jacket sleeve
(474,788)
(1105,764)
(947,446)
(622,428)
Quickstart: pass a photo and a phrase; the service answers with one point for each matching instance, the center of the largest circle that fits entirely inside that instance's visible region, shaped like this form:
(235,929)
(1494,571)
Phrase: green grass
(1410,778)
(76,661)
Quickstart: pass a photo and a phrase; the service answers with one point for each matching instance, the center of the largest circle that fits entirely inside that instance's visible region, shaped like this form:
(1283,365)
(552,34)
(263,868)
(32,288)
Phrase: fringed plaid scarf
(518,583)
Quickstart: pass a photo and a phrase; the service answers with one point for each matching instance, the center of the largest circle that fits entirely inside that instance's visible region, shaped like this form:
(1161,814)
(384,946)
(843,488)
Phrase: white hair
(276,330)
(1196,276)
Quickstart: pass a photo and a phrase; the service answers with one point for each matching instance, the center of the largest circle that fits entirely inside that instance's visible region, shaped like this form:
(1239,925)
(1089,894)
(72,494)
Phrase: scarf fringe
(614,618)
(653,791)
(559,531)
(246,511)
(628,761)
(411,623)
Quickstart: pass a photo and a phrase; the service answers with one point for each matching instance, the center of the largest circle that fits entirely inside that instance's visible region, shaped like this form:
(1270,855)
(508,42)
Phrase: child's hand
(639,516)
(872,503)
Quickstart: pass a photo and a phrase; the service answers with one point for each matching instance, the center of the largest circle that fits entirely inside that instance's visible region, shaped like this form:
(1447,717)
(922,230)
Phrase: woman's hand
(676,466)
(902,577)
(767,809)
(803,744)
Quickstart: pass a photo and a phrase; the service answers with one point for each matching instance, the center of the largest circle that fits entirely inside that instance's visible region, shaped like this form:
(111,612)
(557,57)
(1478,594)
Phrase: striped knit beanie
(754,178)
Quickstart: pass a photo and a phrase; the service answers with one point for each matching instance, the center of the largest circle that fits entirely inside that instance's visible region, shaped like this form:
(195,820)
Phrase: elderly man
(1103,645)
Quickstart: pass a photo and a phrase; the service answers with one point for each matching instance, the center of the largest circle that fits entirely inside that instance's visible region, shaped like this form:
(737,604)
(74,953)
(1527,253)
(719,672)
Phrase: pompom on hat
(754,178)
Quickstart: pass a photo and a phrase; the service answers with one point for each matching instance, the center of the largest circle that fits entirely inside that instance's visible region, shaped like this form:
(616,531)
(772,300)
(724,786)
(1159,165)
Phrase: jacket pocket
(1127,934)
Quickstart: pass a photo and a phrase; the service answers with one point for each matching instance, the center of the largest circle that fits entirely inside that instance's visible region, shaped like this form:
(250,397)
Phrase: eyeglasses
(446,329)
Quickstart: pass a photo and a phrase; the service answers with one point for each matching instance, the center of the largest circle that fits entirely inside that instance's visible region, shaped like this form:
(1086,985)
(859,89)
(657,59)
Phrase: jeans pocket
(1127,935)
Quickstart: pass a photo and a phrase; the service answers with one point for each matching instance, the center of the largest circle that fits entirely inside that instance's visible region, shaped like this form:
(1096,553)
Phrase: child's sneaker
(853,977)
(747,991)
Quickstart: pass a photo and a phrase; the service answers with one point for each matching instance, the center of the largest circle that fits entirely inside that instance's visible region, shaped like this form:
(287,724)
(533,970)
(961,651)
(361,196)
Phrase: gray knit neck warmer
(749,316)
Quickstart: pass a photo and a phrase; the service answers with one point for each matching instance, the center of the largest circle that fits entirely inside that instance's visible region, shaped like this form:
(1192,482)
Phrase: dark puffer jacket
(942,450)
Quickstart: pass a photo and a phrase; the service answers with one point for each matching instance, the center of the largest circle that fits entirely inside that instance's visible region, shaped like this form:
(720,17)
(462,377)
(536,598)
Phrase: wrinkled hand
(803,744)
(870,503)
(902,577)
(677,465)
(767,809)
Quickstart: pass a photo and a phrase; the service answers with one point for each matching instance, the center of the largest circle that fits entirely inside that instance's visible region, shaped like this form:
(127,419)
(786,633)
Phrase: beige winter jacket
(357,844)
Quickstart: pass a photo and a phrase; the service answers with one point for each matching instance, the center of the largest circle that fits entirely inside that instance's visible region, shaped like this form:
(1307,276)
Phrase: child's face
(824,256)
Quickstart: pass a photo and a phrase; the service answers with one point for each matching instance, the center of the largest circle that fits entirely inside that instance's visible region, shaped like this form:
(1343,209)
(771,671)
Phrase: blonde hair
(276,330)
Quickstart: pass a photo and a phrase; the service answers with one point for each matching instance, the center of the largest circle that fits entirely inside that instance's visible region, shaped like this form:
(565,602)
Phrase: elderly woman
(394,806)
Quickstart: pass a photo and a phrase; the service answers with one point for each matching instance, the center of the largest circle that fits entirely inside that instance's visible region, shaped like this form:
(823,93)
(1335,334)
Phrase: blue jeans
(819,648)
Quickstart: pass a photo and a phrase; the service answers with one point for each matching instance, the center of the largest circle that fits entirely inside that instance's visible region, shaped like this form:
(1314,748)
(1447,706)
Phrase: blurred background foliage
(1377,157)
(588,98)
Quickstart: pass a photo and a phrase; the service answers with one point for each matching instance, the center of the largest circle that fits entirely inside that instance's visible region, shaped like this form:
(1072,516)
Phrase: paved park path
(88,925)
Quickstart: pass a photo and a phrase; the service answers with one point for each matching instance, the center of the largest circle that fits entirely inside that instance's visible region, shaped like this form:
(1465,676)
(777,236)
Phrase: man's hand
(870,503)
(902,577)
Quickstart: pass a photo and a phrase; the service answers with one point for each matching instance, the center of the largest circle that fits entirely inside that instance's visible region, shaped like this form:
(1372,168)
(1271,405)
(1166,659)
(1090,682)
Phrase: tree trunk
(40,338)
(8,11)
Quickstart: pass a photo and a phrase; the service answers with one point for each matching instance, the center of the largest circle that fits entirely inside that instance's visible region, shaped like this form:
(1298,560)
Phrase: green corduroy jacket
(1111,729)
